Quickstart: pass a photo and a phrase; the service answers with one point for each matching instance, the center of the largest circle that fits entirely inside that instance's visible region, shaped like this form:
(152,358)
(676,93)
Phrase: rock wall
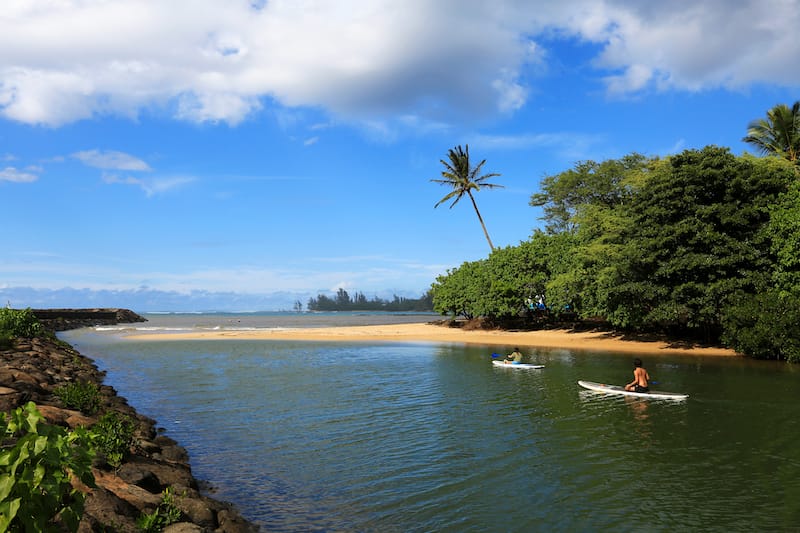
(30,371)
(64,319)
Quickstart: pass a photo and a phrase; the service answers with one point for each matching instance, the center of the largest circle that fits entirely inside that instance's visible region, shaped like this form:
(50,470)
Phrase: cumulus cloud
(17,176)
(205,60)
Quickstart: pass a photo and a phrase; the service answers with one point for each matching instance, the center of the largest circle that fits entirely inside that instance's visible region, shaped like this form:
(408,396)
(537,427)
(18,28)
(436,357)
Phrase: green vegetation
(165,514)
(84,396)
(702,245)
(344,302)
(37,462)
(778,134)
(112,436)
(463,178)
(17,323)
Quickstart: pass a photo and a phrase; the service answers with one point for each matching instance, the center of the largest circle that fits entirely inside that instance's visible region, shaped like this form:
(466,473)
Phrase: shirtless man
(640,378)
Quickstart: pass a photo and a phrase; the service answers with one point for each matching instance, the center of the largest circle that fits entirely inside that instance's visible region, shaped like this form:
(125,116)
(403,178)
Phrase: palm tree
(779,133)
(464,179)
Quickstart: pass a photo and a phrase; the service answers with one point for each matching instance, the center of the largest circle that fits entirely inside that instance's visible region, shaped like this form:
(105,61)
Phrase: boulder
(33,368)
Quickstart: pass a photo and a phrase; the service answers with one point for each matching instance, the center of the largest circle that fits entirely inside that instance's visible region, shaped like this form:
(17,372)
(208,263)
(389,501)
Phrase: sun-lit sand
(424,332)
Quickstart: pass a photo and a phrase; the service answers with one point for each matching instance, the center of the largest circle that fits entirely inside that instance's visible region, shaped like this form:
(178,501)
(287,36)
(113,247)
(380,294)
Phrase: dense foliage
(37,463)
(344,302)
(703,244)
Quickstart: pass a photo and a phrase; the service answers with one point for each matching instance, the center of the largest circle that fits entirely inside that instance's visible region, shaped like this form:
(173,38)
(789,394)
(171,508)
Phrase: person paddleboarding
(641,379)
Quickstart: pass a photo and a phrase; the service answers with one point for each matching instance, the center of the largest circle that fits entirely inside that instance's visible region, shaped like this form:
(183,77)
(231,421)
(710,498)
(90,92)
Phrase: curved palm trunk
(480,218)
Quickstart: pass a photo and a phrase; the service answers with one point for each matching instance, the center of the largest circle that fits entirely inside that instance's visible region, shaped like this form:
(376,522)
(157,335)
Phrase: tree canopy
(702,244)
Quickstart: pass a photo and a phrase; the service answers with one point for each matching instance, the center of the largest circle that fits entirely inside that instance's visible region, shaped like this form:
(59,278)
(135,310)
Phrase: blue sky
(241,155)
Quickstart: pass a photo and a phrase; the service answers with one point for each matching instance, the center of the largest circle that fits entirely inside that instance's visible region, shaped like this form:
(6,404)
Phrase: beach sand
(426,332)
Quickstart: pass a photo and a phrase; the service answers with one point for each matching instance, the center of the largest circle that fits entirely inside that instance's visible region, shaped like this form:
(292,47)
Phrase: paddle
(496,355)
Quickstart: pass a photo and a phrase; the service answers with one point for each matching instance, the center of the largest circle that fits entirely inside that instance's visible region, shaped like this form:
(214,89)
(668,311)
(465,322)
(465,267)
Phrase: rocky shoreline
(33,368)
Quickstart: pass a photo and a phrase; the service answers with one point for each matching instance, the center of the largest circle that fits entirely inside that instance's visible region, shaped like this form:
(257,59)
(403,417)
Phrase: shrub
(35,473)
(19,323)
(84,397)
(165,514)
(113,437)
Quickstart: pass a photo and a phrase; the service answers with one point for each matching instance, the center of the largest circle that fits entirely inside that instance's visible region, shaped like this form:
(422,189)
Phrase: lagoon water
(318,436)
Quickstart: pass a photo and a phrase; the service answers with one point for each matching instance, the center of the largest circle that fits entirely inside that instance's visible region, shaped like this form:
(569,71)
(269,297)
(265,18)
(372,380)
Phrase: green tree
(606,184)
(777,134)
(784,235)
(459,291)
(764,324)
(695,244)
(585,209)
(463,178)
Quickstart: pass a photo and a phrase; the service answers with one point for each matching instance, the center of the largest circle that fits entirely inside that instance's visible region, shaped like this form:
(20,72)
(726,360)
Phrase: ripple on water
(318,437)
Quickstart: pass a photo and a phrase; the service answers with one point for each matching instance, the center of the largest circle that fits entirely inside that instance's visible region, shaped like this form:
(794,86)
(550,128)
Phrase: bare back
(640,376)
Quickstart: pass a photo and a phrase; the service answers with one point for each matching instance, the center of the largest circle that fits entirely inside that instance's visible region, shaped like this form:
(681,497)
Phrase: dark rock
(64,319)
(104,510)
(32,369)
(183,527)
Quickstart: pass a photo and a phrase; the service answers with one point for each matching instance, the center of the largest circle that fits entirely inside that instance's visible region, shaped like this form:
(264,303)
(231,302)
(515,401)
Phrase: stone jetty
(32,369)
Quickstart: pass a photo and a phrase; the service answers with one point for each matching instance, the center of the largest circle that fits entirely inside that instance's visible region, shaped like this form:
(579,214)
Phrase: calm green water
(425,437)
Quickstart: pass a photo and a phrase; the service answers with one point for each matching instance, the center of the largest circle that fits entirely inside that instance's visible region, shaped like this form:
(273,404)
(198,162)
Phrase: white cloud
(17,176)
(150,186)
(111,160)
(697,45)
(579,142)
(205,60)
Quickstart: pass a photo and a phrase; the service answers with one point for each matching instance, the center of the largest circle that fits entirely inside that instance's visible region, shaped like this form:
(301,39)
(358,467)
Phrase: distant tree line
(342,301)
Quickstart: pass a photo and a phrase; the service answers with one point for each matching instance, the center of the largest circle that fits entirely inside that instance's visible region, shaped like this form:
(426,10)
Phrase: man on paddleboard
(514,357)
(640,378)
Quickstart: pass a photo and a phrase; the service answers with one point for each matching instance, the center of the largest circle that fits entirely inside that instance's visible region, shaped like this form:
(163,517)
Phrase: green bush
(764,327)
(113,437)
(37,462)
(19,323)
(84,397)
(165,514)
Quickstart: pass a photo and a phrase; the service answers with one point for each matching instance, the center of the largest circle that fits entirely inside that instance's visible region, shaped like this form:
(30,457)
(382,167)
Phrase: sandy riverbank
(424,332)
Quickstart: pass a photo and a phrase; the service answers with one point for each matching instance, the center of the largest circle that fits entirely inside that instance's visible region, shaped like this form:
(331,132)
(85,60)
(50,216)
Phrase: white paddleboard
(515,365)
(616,389)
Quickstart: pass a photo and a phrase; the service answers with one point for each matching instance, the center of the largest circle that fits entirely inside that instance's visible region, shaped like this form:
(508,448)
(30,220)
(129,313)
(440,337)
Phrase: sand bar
(425,332)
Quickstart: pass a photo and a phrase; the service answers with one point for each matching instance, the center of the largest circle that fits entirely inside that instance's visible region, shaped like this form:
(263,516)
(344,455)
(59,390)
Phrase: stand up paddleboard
(616,389)
(515,365)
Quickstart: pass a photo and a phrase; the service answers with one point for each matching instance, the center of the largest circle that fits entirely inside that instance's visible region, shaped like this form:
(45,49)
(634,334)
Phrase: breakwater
(64,319)
(31,370)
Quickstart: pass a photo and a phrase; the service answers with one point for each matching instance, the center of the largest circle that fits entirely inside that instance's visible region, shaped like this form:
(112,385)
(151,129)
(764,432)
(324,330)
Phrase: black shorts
(639,388)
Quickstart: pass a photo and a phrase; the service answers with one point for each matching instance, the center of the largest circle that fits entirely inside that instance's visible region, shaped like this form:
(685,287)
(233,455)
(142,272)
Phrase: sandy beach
(425,332)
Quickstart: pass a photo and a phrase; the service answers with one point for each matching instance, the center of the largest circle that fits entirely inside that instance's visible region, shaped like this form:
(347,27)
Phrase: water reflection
(642,423)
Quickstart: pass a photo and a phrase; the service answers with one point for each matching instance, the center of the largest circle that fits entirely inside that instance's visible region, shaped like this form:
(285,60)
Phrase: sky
(199,155)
